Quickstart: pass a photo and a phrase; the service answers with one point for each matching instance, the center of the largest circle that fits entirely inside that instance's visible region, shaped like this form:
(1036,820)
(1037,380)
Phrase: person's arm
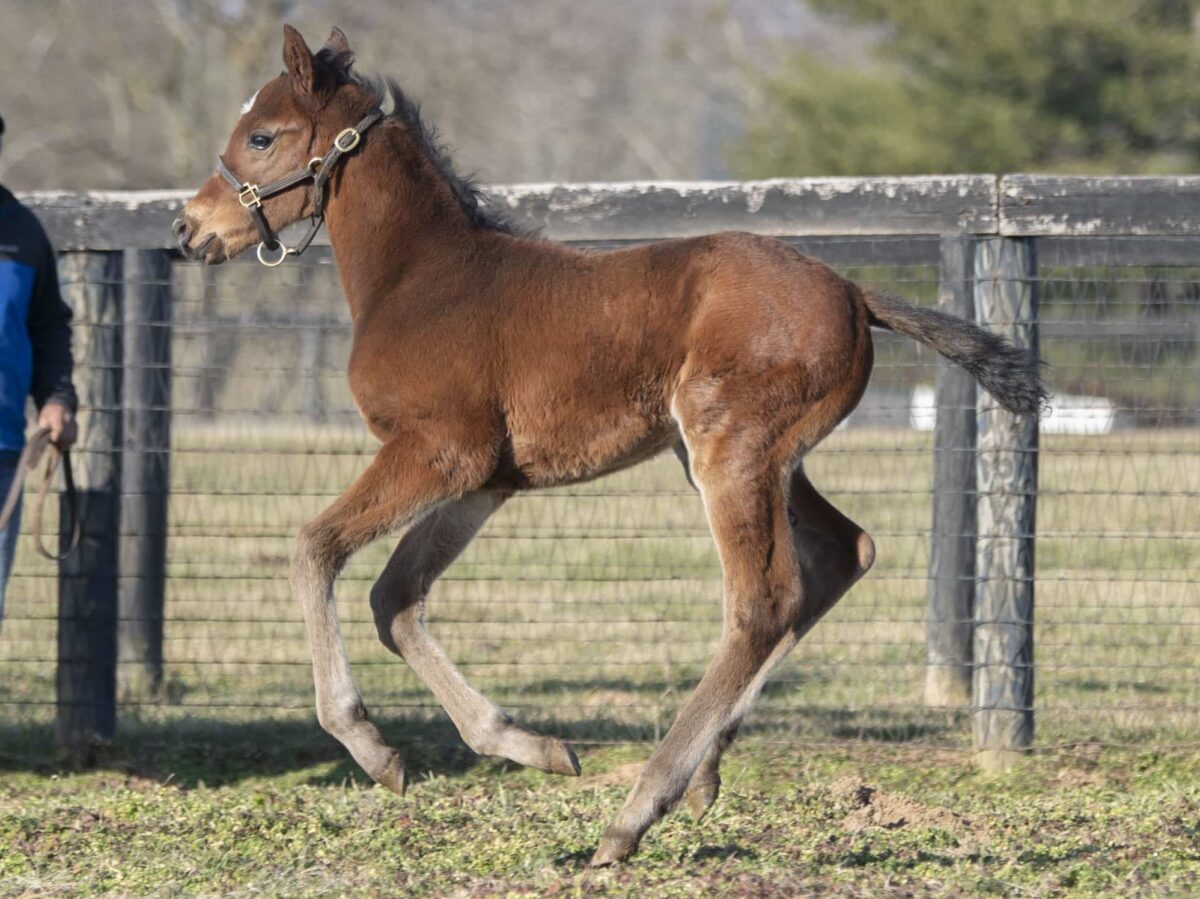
(50,335)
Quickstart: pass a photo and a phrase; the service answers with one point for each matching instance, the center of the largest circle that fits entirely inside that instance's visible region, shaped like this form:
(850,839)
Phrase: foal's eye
(260,141)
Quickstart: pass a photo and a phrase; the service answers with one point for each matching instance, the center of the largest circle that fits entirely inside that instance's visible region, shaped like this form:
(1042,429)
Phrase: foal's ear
(299,61)
(336,55)
(338,44)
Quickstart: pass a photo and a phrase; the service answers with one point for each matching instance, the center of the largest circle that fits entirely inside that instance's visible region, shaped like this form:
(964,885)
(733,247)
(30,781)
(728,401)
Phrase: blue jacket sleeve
(50,335)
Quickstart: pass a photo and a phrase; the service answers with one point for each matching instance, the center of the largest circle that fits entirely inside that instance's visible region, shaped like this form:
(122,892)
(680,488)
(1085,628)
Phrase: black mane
(473,199)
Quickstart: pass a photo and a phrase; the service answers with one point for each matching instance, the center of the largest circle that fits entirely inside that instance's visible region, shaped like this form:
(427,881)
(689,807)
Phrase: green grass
(196,808)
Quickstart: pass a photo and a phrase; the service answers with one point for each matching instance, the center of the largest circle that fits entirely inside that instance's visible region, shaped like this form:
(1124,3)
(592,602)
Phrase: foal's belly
(568,451)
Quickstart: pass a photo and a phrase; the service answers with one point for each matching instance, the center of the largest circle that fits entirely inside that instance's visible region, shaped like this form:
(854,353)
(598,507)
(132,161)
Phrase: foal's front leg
(391,494)
(398,600)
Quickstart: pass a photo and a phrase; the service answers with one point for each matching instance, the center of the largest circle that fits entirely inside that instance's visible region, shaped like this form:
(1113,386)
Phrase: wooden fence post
(144,470)
(948,624)
(1005,302)
(312,394)
(85,681)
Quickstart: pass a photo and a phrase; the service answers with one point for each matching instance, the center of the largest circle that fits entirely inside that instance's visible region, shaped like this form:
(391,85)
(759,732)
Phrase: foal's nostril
(182,232)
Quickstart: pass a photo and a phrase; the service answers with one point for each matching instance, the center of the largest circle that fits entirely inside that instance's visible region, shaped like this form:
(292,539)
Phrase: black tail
(1010,374)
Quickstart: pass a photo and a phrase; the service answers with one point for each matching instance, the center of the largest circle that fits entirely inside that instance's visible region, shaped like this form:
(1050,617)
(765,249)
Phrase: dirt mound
(873,807)
(1077,779)
(621,776)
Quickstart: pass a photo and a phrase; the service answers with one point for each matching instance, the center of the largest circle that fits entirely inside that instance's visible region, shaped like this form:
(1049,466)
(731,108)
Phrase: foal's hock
(488,361)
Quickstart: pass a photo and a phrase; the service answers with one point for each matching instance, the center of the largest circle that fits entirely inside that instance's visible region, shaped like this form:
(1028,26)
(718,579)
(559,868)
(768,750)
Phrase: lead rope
(30,456)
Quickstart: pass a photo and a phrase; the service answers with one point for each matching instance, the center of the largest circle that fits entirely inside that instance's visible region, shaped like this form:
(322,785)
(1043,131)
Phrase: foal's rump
(785,298)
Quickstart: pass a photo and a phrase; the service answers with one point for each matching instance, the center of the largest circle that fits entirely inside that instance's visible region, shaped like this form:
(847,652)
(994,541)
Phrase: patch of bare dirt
(620,776)
(872,807)
(1076,779)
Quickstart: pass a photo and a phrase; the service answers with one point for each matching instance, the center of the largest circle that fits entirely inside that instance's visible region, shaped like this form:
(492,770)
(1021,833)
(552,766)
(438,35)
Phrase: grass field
(278,813)
(591,612)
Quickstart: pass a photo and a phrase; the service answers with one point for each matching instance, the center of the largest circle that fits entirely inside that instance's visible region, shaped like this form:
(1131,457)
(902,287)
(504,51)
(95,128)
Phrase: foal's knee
(317,555)
(381,609)
(395,605)
(384,611)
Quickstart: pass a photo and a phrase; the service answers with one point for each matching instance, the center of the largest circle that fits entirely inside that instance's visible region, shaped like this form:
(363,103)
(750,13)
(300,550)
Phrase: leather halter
(318,170)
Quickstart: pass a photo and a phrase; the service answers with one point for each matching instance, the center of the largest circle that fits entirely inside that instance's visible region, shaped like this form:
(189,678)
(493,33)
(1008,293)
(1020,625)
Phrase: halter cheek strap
(318,170)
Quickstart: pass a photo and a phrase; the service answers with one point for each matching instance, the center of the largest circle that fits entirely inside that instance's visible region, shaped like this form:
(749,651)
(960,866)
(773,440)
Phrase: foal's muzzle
(183,235)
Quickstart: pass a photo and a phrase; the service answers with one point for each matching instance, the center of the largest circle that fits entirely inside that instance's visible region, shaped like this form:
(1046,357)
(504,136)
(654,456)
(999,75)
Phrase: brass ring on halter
(272,263)
(314,164)
(352,137)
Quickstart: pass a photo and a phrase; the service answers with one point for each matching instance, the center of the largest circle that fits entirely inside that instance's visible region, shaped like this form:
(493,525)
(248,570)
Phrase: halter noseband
(318,171)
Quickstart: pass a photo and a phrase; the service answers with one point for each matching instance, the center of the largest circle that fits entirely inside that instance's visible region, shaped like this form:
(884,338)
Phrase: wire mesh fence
(596,607)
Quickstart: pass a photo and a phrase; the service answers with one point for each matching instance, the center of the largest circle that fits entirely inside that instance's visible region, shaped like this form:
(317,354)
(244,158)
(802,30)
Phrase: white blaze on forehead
(249,104)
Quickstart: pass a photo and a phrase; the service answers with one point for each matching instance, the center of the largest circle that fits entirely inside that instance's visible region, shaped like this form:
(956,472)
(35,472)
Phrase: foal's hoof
(533,751)
(392,776)
(560,759)
(700,797)
(615,846)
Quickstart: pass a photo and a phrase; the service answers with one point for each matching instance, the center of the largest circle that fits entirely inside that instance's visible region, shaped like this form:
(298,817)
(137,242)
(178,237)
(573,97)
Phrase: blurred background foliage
(142,93)
(988,86)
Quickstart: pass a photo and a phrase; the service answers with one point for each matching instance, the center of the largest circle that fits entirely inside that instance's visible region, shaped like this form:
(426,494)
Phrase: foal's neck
(390,211)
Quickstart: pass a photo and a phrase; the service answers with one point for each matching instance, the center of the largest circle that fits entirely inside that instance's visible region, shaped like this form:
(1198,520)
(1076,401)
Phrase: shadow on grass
(217,751)
(722,853)
(574,860)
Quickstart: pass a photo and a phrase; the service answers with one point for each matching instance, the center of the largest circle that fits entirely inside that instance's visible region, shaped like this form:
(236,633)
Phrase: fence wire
(596,607)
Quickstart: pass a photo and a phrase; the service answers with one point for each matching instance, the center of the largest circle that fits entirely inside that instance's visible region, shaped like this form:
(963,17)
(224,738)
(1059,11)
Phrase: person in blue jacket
(35,350)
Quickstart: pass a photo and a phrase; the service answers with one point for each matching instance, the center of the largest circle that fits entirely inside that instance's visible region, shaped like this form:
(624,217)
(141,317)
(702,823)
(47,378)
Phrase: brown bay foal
(488,362)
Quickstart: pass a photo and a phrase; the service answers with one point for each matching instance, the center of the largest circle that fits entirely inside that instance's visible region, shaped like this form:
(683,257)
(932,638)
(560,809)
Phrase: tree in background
(142,93)
(989,86)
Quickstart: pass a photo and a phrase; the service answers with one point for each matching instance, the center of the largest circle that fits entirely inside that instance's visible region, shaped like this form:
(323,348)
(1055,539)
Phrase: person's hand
(61,422)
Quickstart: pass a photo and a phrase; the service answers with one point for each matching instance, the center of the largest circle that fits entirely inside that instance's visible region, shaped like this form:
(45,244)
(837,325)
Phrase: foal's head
(287,125)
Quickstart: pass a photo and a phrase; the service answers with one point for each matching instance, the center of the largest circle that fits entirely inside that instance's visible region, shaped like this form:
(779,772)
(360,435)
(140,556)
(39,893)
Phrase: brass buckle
(284,252)
(248,196)
(354,138)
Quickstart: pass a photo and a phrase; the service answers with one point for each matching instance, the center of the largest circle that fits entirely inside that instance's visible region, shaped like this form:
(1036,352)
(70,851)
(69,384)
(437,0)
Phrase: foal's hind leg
(748,517)
(705,785)
(833,553)
(398,600)
(779,580)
